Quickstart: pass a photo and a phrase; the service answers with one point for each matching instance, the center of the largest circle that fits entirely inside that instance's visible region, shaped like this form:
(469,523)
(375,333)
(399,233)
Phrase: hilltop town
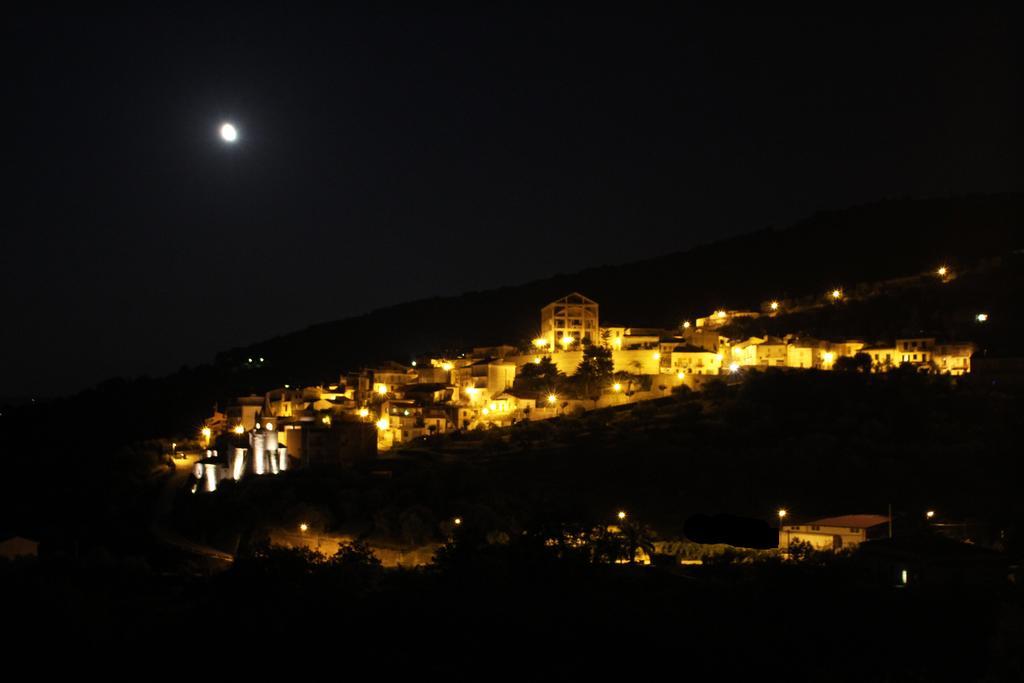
(575,363)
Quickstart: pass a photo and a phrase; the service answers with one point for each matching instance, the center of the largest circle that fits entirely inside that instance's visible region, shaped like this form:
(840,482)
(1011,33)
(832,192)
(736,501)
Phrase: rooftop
(857,521)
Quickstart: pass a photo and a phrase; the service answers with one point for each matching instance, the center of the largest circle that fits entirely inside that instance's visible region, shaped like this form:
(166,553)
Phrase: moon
(228,132)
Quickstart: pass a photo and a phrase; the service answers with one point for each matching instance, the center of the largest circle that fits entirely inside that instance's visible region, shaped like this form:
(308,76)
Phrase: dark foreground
(488,610)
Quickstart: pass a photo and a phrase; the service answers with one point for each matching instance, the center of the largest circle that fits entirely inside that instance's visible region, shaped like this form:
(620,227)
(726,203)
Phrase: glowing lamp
(981,317)
(363,412)
(616,387)
(303,527)
(239,429)
(383,424)
(837,294)
(621,514)
(552,399)
(775,305)
(782,513)
(540,342)
(942,271)
(734,367)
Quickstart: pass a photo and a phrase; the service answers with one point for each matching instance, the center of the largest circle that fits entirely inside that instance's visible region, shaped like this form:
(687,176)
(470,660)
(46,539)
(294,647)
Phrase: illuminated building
(692,360)
(835,533)
(573,316)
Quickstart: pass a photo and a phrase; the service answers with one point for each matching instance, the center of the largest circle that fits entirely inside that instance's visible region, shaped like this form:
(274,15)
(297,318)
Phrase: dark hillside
(873,242)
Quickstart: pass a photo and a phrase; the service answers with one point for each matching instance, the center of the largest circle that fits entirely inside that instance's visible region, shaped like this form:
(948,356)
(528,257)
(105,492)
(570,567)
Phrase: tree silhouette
(594,371)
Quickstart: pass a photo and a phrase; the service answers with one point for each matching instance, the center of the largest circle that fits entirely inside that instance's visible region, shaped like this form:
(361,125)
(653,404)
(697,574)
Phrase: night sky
(384,158)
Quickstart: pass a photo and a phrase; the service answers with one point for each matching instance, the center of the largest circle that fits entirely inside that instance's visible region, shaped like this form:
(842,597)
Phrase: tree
(538,376)
(861,362)
(594,371)
(608,545)
(637,537)
(355,566)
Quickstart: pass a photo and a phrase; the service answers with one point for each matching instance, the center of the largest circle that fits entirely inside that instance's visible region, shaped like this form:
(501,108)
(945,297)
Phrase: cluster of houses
(376,408)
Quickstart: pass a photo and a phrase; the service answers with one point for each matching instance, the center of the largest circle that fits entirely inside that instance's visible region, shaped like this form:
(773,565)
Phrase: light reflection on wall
(259,465)
(211,477)
(238,466)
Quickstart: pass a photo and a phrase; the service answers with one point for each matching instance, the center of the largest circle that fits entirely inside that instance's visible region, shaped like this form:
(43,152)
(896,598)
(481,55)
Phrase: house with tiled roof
(835,533)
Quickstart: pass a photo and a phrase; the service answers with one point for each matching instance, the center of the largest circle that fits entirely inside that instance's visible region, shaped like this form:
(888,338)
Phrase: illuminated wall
(574,316)
(238,463)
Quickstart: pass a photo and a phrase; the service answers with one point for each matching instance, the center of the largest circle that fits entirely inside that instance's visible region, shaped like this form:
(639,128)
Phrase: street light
(552,399)
(782,512)
(942,271)
(303,527)
(775,305)
(930,514)
(981,317)
(457,521)
(837,294)
(621,515)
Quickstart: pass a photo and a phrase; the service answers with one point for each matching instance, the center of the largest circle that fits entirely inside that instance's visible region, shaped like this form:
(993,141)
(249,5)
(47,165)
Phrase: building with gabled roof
(835,533)
(573,316)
